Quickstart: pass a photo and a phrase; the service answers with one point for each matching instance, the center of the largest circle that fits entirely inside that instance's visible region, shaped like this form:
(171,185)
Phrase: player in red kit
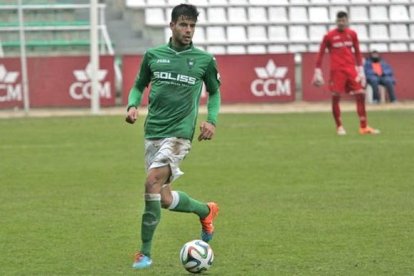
(346,72)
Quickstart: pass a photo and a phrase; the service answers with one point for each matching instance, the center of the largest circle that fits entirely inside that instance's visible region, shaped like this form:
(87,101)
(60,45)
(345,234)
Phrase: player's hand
(207,131)
(363,81)
(132,115)
(318,78)
(361,76)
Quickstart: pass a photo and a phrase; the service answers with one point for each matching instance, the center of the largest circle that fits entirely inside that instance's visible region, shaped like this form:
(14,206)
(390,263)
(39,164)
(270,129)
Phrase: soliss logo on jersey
(175,77)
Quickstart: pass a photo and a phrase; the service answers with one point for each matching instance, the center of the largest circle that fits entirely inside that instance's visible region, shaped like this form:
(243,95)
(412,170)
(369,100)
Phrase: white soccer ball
(196,256)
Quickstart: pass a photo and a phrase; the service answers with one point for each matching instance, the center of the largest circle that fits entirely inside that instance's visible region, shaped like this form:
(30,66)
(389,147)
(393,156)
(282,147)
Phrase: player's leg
(389,85)
(175,150)
(364,128)
(178,201)
(360,107)
(157,174)
(356,88)
(337,84)
(336,112)
(152,213)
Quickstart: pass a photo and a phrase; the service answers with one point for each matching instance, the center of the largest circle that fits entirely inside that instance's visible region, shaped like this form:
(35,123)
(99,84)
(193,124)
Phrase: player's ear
(172,24)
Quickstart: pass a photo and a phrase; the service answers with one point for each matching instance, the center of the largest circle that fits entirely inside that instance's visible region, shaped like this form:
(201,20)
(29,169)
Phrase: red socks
(336,110)
(362,114)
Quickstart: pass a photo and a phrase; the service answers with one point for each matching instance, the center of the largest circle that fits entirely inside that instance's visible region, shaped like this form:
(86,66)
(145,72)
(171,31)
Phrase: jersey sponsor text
(175,77)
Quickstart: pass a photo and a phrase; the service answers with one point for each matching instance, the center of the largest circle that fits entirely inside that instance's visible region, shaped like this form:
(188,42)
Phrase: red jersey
(340,46)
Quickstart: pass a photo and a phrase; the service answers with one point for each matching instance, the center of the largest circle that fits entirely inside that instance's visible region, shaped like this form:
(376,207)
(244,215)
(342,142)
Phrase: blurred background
(265,49)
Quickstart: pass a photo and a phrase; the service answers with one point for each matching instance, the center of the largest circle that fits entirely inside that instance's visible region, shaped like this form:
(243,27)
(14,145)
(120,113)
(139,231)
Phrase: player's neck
(177,46)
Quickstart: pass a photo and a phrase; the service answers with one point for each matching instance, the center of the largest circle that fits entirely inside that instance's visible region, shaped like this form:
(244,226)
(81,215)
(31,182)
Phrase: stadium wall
(245,78)
(65,81)
(55,82)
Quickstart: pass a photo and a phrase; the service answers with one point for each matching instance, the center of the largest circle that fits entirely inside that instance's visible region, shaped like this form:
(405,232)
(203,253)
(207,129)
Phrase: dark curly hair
(341,14)
(186,10)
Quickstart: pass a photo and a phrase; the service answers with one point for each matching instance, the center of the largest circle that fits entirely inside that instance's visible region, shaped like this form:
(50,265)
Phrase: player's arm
(358,60)
(318,76)
(134,100)
(212,81)
(135,94)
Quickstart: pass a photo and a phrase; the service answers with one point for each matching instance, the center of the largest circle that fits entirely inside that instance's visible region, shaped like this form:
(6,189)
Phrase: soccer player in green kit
(176,72)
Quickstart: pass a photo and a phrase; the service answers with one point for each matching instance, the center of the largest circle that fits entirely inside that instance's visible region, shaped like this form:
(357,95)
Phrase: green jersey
(176,79)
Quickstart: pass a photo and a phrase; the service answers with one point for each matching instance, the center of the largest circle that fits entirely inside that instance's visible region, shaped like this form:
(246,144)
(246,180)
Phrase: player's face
(375,57)
(342,23)
(183,31)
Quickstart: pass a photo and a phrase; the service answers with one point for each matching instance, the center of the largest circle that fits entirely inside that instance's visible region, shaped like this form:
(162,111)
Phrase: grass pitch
(295,198)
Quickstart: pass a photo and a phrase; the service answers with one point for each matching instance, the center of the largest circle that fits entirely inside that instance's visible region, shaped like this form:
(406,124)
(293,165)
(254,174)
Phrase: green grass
(295,198)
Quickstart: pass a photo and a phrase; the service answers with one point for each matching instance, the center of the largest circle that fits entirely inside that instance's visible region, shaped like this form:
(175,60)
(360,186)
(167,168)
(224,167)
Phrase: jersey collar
(344,31)
(186,49)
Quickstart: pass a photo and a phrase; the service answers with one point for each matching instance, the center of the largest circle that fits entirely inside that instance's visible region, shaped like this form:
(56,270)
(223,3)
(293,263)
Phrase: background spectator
(378,72)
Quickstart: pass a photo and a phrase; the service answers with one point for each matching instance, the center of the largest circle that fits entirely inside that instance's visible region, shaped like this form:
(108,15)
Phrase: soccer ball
(196,256)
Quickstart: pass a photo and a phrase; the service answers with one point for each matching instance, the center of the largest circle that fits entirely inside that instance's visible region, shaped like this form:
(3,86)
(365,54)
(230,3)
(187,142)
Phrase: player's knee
(373,84)
(387,82)
(165,203)
(154,182)
(166,198)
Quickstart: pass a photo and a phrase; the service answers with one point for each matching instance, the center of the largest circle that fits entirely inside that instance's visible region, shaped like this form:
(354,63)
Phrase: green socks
(150,220)
(182,202)
(152,214)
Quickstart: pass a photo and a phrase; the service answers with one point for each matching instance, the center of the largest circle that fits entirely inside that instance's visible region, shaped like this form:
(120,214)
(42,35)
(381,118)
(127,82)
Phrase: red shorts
(344,80)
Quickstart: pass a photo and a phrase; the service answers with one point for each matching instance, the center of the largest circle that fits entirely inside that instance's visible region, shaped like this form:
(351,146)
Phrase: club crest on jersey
(190,62)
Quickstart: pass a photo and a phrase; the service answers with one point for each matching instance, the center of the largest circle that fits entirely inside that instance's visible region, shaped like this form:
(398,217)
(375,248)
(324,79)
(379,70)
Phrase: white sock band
(152,197)
(175,200)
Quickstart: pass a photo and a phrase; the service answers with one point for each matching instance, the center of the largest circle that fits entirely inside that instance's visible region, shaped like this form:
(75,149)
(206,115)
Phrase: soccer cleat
(368,130)
(341,130)
(141,261)
(207,227)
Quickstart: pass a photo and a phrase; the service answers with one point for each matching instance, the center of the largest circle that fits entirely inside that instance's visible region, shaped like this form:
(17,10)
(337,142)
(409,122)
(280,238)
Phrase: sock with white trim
(150,220)
(182,202)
